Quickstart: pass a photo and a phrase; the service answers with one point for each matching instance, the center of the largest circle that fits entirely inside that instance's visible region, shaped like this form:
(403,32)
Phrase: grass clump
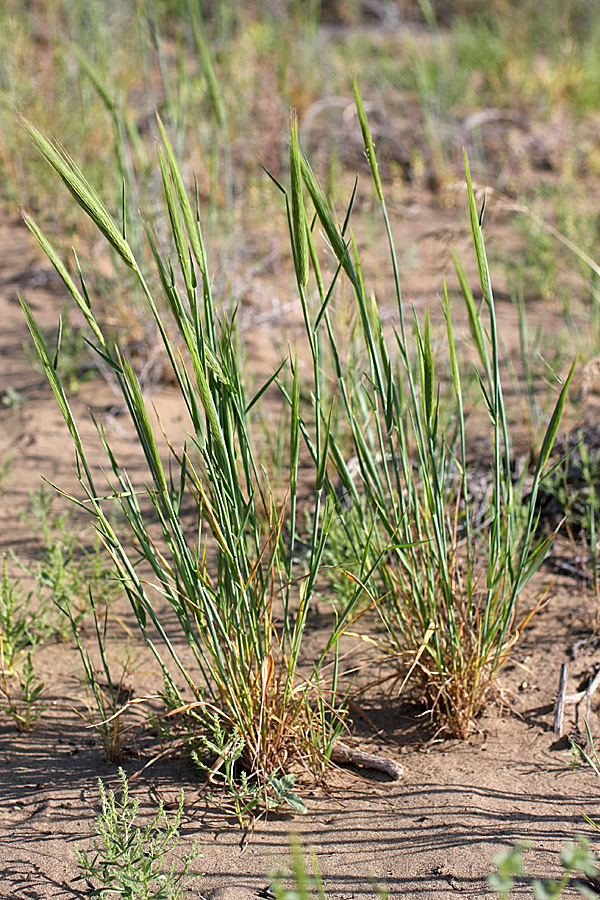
(209,534)
(107,697)
(220,545)
(449,586)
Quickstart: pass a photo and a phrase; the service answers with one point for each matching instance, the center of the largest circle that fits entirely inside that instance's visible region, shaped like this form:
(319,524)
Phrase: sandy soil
(430,835)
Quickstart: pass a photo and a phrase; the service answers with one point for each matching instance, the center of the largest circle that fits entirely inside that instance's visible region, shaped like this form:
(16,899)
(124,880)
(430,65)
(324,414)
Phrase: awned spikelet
(83,192)
(297,201)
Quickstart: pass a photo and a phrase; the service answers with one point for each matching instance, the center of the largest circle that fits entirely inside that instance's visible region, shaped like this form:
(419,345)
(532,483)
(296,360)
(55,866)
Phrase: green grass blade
(60,267)
(55,383)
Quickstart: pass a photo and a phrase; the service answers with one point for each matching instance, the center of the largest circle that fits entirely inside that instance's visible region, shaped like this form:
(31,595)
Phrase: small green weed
(242,795)
(65,573)
(133,861)
(6,471)
(575,858)
(17,636)
(13,398)
(23,706)
(17,625)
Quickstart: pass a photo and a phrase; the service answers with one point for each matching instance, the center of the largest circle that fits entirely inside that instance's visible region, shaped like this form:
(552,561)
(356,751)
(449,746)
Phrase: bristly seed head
(298,208)
(368,140)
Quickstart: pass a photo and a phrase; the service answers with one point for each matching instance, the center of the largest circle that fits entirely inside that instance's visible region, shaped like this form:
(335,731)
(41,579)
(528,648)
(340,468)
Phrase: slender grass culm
(207,534)
(449,586)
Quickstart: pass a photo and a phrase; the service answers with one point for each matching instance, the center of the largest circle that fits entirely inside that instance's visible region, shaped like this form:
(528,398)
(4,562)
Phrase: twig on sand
(344,755)
(562,698)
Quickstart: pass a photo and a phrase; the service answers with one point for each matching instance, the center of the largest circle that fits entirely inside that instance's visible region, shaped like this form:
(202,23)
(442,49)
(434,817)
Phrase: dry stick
(344,755)
(587,713)
(563,698)
(560,699)
(589,690)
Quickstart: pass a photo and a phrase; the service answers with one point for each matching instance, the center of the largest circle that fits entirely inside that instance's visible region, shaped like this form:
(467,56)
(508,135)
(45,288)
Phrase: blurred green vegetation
(224,75)
(517,83)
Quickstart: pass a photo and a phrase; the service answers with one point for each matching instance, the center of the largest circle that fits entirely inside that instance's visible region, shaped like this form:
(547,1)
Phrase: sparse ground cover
(334,429)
